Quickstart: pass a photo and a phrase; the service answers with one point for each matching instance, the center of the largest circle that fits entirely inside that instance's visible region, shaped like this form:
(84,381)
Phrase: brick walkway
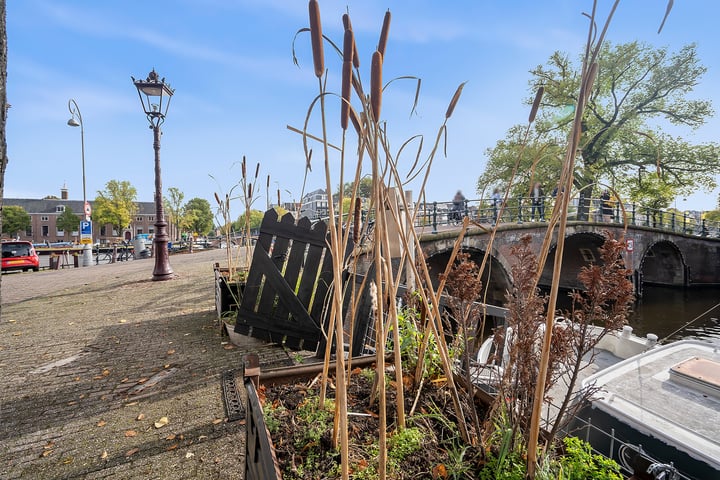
(92,358)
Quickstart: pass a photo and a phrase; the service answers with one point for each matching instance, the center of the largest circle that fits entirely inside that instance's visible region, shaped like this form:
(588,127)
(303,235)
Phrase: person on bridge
(496,200)
(458,207)
(538,202)
(607,206)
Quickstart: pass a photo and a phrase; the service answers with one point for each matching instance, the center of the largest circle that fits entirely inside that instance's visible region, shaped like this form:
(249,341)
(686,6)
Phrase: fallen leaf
(217,420)
(170,437)
(202,437)
(162,422)
(49,445)
(122,320)
(130,433)
(131,404)
(124,380)
(228,347)
(142,380)
(172,447)
(132,452)
(104,455)
(46,453)
(101,423)
(170,352)
(189,455)
(106,372)
(439,471)
(67,460)
(140,417)
(167,365)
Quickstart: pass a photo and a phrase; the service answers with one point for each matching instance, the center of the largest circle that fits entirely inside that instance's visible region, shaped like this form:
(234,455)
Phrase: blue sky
(237,88)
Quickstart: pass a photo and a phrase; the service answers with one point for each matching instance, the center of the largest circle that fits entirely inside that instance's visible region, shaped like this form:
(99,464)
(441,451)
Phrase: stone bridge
(655,256)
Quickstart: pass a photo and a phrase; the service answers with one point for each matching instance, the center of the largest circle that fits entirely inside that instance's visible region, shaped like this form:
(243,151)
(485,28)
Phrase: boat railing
(630,457)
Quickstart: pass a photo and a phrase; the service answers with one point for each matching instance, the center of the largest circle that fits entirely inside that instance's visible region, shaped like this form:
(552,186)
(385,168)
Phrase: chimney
(64,193)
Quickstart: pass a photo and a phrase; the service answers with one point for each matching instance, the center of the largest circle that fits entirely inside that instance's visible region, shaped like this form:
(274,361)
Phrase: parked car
(19,255)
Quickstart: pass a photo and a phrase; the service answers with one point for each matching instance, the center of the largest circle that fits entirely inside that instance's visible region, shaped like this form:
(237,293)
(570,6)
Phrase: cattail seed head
(244,168)
(217,199)
(257,170)
(348,26)
(356,220)
(249,190)
(345,102)
(384,34)
(376,84)
(348,43)
(536,104)
(316,38)
(454,100)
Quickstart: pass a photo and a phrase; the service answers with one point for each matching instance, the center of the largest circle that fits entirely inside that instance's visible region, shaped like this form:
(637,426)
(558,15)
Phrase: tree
(116,205)
(256,217)
(174,207)
(199,215)
(14,220)
(637,89)
(68,221)
(364,188)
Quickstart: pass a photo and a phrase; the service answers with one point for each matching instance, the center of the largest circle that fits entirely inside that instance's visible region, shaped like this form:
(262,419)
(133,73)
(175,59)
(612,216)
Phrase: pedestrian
(538,202)
(496,199)
(458,207)
(606,206)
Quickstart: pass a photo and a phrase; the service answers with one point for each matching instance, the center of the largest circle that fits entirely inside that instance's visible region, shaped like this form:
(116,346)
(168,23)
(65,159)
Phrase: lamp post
(86,223)
(155,96)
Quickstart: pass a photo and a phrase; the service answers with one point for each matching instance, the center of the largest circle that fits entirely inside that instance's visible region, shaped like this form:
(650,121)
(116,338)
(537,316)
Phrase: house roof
(49,205)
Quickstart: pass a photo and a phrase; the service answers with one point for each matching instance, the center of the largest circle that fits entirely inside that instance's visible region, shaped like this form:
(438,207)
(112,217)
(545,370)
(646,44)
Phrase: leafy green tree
(199,216)
(116,205)
(364,188)
(15,220)
(174,208)
(255,220)
(637,88)
(67,221)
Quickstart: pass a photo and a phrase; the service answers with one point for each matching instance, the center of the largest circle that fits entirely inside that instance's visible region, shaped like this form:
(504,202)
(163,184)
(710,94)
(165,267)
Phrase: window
(28,231)
(60,208)
(151,219)
(587,255)
(151,231)
(45,230)
(102,231)
(59,233)
(138,219)
(44,218)
(139,231)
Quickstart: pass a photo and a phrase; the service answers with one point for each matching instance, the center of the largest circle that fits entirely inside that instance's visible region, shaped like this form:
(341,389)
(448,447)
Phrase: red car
(19,255)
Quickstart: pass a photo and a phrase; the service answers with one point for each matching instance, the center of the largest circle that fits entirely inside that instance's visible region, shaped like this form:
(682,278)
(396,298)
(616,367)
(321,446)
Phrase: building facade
(315,205)
(45,212)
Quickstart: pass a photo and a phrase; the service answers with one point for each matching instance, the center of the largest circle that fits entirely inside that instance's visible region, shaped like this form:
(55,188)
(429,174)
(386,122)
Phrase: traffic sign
(630,245)
(88,209)
(86,232)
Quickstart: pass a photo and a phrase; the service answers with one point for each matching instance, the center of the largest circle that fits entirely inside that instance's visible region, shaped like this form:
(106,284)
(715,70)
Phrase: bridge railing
(523,209)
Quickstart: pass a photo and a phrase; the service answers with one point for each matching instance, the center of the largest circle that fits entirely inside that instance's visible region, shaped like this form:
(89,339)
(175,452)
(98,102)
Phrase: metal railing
(522,210)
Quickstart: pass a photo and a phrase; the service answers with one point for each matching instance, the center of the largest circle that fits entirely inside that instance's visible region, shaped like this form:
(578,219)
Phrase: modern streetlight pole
(155,96)
(77,121)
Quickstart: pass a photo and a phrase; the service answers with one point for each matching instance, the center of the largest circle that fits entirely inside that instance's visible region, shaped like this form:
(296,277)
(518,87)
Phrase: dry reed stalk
(316,38)
(588,76)
(382,43)
(376,84)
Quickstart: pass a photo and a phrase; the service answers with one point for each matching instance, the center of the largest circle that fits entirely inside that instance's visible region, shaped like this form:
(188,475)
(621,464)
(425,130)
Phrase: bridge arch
(495,277)
(581,249)
(663,263)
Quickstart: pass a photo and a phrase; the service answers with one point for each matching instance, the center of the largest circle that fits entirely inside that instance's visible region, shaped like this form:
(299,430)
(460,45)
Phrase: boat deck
(642,392)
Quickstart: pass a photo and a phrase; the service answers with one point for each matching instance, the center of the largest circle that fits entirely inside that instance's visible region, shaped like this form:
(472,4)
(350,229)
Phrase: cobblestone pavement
(107,374)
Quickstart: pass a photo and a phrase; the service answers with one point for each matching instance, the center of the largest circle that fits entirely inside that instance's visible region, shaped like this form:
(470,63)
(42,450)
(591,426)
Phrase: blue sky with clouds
(237,88)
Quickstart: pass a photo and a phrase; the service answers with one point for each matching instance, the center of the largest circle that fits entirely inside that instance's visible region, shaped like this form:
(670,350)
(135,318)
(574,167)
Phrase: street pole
(162,269)
(155,96)
(75,113)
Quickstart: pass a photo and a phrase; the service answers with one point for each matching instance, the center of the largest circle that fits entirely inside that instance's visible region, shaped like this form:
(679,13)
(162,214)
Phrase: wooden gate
(288,282)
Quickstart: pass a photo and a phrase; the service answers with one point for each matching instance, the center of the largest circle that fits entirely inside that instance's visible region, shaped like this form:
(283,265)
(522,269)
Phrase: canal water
(677,313)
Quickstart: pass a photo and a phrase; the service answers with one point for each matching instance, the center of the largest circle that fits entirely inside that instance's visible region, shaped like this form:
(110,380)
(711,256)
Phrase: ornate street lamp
(155,97)
(86,223)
